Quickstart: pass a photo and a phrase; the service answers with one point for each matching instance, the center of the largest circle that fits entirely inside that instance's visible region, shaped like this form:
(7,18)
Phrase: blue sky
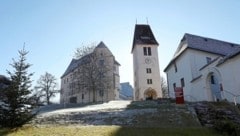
(53,29)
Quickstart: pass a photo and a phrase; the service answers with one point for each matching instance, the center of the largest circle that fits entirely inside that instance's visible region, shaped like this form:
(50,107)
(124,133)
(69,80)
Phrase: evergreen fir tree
(16,107)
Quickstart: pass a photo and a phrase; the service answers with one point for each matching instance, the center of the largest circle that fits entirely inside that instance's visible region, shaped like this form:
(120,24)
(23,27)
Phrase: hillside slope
(123,113)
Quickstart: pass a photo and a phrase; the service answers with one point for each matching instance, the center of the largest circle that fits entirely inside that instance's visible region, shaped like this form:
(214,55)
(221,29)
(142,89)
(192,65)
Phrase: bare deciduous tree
(92,74)
(84,50)
(164,87)
(46,87)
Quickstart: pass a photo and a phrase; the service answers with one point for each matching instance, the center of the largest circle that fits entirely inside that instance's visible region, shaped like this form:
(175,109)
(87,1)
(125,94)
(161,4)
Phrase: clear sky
(53,29)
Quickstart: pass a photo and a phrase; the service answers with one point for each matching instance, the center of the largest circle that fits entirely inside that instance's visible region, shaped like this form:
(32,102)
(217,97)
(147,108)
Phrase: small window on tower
(145,51)
(149,81)
(149,70)
(149,51)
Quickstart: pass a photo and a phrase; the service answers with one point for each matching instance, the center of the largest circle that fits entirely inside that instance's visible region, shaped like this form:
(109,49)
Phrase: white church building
(207,69)
(147,83)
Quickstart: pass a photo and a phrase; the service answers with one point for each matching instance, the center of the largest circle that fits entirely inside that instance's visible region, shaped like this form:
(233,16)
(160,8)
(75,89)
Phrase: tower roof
(143,35)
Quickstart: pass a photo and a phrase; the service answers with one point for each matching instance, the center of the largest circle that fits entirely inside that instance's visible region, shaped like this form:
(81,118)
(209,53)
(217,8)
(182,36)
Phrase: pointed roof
(101,45)
(75,63)
(143,35)
(190,41)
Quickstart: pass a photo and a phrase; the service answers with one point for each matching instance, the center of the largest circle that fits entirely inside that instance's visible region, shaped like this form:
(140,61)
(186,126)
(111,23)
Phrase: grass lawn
(106,131)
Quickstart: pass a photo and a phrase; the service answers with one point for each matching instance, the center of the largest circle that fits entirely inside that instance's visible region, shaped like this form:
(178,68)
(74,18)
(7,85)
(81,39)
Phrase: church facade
(145,64)
(92,78)
(207,69)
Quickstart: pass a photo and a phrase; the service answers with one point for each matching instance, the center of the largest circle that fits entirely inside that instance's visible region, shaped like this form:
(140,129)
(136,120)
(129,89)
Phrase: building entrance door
(215,88)
(150,94)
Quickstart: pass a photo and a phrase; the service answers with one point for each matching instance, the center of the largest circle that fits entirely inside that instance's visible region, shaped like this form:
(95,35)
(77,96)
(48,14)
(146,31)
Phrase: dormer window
(145,37)
(208,59)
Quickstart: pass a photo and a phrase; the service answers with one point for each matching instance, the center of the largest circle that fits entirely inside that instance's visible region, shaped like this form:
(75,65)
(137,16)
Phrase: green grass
(106,131)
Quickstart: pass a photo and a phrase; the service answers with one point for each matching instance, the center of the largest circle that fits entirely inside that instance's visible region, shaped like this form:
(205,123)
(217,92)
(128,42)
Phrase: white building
(92,78)
(206,69)
(145,64)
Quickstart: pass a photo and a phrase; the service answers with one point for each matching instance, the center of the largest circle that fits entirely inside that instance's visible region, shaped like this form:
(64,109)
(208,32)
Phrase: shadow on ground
(137,114)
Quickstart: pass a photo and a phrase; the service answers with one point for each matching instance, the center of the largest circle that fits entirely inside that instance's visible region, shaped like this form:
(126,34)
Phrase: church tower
(147,84)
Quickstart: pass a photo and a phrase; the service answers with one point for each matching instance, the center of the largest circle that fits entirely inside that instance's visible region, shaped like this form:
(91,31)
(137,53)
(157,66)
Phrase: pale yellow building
(92,78)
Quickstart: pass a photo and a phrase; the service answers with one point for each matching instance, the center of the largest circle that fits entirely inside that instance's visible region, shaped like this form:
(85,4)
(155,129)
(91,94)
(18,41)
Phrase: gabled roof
(210,45)
(226,58)
(101,45)
(117,63)
(143,35)
(76,62)
(205,44)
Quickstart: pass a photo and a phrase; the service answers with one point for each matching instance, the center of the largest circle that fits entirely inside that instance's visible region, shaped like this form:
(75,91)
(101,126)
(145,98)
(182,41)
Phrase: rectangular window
(174,86)
(182,82)
(175,67)
(145,51)
(82,96)
(101,75)
(149,81)
(101,93)
(149,51)
(149,70)
(212,79)
(73,100)
(101,62)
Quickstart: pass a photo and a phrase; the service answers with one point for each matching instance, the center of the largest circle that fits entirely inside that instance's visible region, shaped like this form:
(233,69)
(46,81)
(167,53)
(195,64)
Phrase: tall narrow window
(149,70)
(175,67)
(101,62)
(101,93)
(212,79)
(149,81)
(145,51)
(149,51)
(174,86)
(82,96)
(182,82)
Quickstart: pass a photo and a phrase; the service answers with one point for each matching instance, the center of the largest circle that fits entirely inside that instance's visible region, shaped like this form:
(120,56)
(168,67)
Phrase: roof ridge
(214,39)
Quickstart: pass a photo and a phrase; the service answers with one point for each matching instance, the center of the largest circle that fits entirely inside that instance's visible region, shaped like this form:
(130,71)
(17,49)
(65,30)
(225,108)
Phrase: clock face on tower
(148,61)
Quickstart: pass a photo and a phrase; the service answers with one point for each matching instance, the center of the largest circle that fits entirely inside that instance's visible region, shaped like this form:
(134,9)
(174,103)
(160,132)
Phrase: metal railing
(235,96)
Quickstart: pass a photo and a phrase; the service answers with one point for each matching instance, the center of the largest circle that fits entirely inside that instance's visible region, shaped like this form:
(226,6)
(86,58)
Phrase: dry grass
(106,131)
